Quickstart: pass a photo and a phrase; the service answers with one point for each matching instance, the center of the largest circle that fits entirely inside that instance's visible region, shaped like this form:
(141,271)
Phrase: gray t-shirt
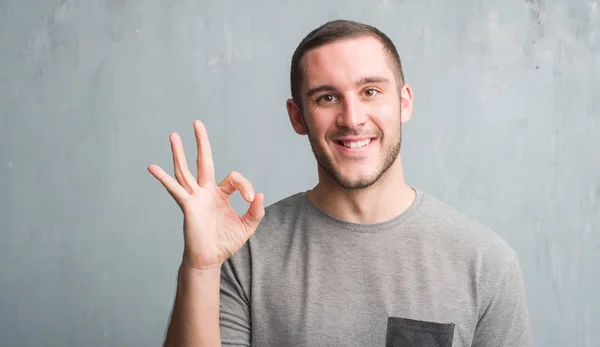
(430,277)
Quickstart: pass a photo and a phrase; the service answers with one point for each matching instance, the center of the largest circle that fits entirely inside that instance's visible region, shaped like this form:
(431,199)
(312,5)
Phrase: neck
(385,199)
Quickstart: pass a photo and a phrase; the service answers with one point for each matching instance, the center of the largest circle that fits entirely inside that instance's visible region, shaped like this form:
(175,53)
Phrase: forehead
(343,62)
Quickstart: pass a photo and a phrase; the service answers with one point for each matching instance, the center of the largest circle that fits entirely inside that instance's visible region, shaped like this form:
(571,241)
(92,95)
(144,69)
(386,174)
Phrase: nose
(352,114)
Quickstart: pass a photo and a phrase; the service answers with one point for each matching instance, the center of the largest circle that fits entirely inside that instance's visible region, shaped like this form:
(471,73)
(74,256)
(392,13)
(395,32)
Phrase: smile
(354,145)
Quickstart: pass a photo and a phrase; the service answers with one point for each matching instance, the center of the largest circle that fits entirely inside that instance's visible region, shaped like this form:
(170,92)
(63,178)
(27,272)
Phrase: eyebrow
(362,81)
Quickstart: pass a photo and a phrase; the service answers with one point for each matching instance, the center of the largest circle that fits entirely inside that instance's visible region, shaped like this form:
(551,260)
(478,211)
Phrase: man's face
(352,110)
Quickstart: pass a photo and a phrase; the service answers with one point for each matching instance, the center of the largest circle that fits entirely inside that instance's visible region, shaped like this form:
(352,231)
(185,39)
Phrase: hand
(213,232)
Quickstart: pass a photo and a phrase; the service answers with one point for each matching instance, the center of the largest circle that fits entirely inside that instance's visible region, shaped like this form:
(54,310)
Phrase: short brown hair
(333,31)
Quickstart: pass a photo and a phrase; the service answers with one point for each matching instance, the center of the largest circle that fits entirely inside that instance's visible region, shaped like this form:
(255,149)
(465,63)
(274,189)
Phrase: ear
(406,103)
(296,117)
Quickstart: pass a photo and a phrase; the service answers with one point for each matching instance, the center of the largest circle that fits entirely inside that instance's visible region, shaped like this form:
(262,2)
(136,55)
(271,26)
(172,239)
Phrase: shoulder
(475,250)
(282,212)
(461,234)
(279,223)
(272,233)
(284,207)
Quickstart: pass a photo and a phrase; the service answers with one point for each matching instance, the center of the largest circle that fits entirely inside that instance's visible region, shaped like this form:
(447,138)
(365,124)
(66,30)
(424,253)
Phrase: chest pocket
(402,332)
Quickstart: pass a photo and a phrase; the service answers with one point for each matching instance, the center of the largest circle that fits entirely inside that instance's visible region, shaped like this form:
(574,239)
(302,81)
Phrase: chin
(353,175)
(353,182)
(358,185)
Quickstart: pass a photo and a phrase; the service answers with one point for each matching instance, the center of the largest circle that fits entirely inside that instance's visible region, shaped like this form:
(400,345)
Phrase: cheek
(319,124)
(388,108)
(389,123)
(386,117)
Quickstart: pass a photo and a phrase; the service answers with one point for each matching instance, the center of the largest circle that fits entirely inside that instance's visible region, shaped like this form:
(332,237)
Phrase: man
(362,259)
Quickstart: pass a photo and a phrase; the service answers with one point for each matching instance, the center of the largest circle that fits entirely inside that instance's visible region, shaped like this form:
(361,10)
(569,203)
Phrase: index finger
(204,162)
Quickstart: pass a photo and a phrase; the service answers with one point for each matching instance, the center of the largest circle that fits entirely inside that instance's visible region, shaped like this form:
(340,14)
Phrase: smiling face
(352,110)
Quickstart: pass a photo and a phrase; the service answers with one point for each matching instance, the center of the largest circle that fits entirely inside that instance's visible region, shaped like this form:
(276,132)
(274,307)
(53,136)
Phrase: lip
(353,139)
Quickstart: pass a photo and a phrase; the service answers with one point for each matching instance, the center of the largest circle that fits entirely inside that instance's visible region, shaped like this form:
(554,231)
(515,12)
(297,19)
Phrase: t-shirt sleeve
(505,321)
(234,306)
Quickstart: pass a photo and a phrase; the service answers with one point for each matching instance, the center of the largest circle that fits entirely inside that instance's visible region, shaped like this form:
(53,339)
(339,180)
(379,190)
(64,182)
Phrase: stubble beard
(388,157)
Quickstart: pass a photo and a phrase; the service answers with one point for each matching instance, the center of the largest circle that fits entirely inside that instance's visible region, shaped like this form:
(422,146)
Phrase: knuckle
(184,203)
(235,176)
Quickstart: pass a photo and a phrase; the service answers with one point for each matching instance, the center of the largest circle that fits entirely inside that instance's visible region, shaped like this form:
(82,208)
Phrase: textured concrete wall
(506,128)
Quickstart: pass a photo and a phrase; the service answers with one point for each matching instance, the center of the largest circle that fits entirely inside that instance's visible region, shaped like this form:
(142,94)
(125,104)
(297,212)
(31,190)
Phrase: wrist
(187,268)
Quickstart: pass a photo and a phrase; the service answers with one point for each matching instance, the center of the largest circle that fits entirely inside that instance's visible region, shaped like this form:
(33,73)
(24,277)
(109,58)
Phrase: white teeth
(355,145)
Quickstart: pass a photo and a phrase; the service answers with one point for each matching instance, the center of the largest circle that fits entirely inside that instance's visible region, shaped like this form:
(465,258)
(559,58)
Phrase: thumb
(255,214)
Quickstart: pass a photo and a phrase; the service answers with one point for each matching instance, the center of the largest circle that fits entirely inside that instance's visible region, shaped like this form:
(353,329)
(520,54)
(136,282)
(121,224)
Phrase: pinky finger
(172,186)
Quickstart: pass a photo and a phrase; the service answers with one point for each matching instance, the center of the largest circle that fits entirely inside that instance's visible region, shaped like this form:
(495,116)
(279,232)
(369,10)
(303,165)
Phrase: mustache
(348,133)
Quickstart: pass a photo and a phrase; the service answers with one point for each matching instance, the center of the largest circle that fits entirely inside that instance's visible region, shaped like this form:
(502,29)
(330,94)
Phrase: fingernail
(250,196)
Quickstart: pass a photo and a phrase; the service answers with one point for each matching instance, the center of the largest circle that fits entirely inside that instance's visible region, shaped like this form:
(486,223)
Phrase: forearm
(195,316)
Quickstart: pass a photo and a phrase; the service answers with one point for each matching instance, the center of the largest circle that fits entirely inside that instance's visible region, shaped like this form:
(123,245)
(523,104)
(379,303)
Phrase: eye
(371,92)
(326,99)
